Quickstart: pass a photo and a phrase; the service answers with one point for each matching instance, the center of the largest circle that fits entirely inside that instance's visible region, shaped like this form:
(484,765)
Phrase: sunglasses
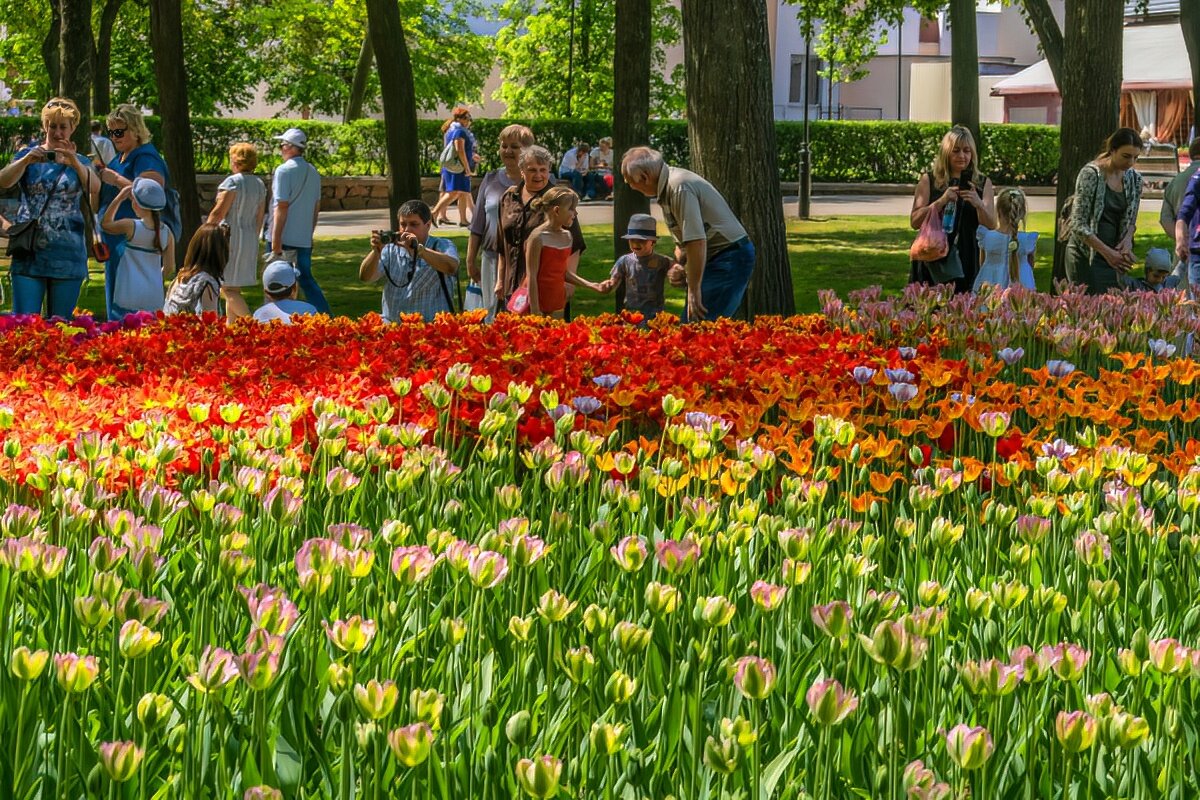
(59,104)
(117,133)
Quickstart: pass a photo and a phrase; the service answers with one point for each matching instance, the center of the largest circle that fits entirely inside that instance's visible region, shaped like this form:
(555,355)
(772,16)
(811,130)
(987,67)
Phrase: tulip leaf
(287,765)
(774,771)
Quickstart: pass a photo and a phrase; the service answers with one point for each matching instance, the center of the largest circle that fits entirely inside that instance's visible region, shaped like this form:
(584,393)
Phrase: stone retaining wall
(337,194)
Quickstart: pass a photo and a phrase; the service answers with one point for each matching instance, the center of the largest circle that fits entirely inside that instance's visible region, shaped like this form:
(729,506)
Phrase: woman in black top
(954,178)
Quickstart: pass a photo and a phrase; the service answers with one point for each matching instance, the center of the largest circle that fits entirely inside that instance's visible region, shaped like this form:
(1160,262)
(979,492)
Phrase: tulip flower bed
(911,548)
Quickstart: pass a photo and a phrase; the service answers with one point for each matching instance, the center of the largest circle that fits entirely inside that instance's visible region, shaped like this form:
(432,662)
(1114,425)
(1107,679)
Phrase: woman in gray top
(241,204)
(1108,192)
(513,140)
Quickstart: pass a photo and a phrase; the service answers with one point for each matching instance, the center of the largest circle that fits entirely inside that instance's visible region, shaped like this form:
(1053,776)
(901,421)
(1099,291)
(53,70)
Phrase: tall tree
(631,106)
(399,100)
(536,43)
(362,73)
(51,46)
(1189,20)
(166,37)
(102,93)
(75,60)
(964,67)
(1089,82)
(731,131)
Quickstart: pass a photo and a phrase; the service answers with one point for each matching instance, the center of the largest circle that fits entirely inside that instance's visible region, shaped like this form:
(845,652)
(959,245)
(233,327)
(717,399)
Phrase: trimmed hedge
(842,151)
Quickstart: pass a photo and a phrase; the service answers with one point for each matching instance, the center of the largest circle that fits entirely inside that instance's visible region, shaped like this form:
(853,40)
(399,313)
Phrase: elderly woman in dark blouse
(1108,192)
(518,219)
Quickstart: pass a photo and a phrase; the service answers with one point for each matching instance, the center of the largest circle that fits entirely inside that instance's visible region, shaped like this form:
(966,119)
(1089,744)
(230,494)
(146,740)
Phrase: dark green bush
(842,152)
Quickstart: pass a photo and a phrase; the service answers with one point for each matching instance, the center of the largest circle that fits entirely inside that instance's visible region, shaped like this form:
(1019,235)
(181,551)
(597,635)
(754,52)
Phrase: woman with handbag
(457,162)
(955,191)
(47,242)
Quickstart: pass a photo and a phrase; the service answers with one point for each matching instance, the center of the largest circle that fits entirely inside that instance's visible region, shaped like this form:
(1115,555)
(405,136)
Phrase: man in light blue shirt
(419,271)
(295,204)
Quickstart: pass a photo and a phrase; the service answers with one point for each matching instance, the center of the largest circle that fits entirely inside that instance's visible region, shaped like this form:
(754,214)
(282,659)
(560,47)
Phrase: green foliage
(843,151)
(534,48)
(221,43)
(305,51)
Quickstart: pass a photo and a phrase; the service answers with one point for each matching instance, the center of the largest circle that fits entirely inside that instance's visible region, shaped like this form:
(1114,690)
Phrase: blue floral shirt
(61,250)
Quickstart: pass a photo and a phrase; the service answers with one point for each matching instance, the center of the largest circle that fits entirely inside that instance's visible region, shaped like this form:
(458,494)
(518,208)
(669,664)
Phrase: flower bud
(425,705)
(154,709)
(662,599)
(969,747)
(26,664)
(539,777)
(411,744)
(605,738)
(120,760)
(829,703)
(754,677)
(1076,730)
(374,699)
(517,728)
(620,688)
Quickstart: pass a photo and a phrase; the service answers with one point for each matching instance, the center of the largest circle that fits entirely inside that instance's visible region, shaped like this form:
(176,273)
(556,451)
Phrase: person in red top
(550,257)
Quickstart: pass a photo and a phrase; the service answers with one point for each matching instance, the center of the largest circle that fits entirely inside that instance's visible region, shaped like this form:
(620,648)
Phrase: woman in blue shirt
(456,185)
(136,158)
(52,177)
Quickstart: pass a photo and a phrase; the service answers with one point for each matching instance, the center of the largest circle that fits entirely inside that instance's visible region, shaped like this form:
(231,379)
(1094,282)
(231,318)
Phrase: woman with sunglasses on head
(136,158)
(53,178)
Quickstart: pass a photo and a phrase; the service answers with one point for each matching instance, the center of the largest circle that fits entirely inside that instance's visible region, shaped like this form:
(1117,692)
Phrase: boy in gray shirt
(642,271)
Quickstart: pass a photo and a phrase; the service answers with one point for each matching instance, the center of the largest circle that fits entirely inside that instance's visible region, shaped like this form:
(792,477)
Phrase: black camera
(386,237)
(50,156)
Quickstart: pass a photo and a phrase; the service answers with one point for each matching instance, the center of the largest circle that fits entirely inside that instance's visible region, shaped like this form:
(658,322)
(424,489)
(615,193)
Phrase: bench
(1159,165)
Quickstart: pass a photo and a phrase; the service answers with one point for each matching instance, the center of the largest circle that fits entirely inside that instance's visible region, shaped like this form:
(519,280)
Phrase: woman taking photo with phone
(955,190)
(47,244)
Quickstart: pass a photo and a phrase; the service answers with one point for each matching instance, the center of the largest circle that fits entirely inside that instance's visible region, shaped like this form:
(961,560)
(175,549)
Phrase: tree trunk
(362,71)
(166,44)
(631,111)
(51,46)
(1091,91)
(731,132)
(1189,20)
(399,100)
(1049,34)
(102,92)
(75,59)
(964,68)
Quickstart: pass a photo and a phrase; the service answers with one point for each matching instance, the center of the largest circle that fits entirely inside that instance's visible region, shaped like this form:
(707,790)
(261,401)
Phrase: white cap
(294,137)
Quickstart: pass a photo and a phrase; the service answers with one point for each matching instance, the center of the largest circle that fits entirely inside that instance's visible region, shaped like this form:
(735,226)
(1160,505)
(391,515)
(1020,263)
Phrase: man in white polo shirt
(295,204)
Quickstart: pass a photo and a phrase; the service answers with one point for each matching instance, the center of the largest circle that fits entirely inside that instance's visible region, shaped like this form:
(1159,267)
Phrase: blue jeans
(725,278)
(583,185)
(308,284)
(1193,275)
(30,294)
(116,249)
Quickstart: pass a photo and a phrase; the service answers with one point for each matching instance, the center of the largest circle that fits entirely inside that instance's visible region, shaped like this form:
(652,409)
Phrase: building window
(931,31)
(796,81)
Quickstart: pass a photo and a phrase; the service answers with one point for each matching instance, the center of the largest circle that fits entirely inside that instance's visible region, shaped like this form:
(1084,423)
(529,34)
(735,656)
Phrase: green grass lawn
(839,253)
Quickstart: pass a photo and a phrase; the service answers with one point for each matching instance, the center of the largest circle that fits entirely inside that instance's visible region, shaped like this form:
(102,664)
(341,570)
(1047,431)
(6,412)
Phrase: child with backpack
(198,284)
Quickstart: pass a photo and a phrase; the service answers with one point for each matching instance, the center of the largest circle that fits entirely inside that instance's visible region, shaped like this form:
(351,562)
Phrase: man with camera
(419,271)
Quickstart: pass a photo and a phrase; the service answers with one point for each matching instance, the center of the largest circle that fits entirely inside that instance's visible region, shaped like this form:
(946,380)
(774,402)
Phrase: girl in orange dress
(549,261)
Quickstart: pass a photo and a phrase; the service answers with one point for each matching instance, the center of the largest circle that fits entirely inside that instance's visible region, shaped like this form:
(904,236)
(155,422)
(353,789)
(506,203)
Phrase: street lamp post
(805,204)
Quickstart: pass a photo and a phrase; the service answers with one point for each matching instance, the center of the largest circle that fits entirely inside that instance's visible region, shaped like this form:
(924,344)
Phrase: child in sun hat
(279,291)
(642,271)
(149,249)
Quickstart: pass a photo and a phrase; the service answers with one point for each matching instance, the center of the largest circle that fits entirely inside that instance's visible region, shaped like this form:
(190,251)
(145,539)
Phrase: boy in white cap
(642,271)
(295,204)
(280,280)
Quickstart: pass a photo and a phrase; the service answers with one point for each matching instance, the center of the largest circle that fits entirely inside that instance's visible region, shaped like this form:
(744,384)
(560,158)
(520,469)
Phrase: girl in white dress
(241,202)
(1006,254)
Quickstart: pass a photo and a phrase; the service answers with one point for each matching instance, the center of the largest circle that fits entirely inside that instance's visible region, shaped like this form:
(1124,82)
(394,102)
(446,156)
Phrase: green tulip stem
(18,755)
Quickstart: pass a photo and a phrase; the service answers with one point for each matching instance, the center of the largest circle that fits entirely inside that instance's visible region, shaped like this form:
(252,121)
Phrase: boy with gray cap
(279,291)
(1158,273)
(642,271)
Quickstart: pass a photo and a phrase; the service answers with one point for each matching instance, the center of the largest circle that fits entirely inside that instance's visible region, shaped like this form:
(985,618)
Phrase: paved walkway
(361,223)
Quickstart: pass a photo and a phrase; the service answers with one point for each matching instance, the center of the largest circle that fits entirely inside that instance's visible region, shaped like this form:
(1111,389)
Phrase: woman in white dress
(1006,254)
(241,203)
